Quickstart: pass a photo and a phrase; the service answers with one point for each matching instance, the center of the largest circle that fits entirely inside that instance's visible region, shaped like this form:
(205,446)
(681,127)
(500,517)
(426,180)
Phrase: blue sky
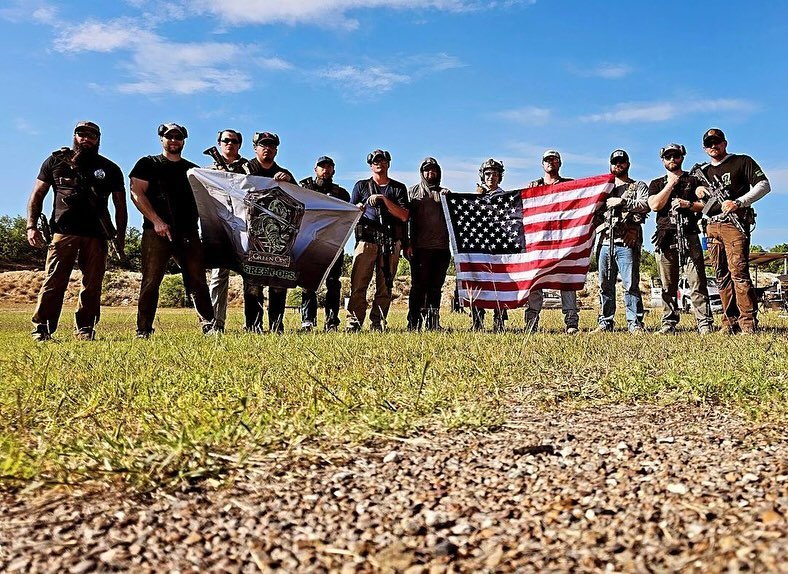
(461,80)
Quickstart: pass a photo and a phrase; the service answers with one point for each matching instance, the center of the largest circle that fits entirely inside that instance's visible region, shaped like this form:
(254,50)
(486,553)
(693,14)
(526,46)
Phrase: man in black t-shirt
(743,183)
(161,191)
(266,146)
(323,183)
(384,202)
(82,181)
(673,197)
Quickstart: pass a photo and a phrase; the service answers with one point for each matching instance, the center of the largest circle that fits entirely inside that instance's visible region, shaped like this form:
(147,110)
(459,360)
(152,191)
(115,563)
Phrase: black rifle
(43,227)
(612,220)
(682,245)
(714,198)
(385,239)
(217,157)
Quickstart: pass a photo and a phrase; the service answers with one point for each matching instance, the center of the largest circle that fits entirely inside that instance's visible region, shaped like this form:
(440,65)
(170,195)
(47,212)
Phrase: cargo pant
(729,251)
(365,265)
(695,270)
(90,254)
(156,253)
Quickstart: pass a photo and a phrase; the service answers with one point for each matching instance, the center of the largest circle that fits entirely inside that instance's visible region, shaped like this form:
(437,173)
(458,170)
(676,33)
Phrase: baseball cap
(619,154)
(166,128)
(378,153)
(90,126)
(713,133)
(672,147)
(324,159)
(551,153)
(265,137)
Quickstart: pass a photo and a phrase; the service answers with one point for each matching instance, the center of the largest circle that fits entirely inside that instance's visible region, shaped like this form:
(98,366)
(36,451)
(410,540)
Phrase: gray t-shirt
(427,221)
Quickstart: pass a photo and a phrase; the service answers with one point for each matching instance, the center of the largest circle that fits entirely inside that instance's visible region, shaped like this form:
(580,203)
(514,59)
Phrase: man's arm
(139,195)
(121,219)
(658,200)
(34,206)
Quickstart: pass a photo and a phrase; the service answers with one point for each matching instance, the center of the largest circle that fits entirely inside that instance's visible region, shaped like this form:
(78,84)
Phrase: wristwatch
(738,203)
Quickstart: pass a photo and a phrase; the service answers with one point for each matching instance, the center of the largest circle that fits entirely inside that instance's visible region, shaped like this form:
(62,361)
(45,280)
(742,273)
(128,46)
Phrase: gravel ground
(630,489)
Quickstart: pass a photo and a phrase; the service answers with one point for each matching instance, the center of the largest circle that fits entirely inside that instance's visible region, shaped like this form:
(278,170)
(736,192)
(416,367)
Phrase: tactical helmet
(673,147)
(491,164)
(378,153)
(262,137)
(164,128)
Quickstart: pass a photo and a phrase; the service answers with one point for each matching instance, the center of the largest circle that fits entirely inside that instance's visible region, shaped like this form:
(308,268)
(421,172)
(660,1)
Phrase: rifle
(714,198)
(217,157)
(43,227)
(682,245)
(385,239)
(611,220)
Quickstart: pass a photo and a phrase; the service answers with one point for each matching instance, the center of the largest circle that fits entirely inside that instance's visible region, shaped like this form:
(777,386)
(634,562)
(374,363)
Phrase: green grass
(180,407)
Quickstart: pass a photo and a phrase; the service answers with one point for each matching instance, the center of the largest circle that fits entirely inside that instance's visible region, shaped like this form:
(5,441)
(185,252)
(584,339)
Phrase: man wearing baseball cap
(161,191)
(629,201)
(743,183)
(384,202)
(82,181)
(551,164)
(323,182)
(266,146)
(676,240)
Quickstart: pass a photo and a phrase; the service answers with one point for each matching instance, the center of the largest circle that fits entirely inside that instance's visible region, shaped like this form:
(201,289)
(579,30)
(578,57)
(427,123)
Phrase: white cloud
(24,126)
(529,115)
(156,65)
(376,79)
(28,10)
(667,110)
(605,70)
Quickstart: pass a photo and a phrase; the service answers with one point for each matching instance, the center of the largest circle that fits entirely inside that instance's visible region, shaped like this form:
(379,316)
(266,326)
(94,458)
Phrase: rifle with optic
(715,196)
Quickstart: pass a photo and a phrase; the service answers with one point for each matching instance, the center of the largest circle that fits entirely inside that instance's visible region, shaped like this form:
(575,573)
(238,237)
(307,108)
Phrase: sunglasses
(176,137)
(618,161)
(711,142)
(87,134)
(672,155)
(229,141)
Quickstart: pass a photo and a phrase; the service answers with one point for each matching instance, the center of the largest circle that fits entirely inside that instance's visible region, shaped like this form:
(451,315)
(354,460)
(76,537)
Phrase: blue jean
(626,264)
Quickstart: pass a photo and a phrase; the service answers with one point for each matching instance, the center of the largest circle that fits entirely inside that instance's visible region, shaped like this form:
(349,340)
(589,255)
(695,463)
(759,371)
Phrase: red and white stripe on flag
(559,236)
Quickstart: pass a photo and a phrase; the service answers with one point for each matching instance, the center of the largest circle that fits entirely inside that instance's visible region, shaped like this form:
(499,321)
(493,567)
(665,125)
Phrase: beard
(84,152)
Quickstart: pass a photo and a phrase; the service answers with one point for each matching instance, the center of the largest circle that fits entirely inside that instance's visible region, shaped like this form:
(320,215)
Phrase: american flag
(507,243)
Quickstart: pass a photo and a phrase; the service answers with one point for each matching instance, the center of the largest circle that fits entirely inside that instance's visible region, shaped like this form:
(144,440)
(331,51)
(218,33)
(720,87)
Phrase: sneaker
(572,330)
(144,334)
(667,330)
(353,328)
(748,330)
(85,335)
(639,330)
(705,330)
(41,335)
(307,326)
(602,329)
(333,328)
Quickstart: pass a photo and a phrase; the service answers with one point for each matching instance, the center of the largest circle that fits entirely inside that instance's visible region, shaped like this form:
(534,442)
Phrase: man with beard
(82,181)
(323,183)
(551,163)
(229,145)
(428,251)
(161,191)
(384,202)
(629,202)
(743,183)
(266,146)
(673,197)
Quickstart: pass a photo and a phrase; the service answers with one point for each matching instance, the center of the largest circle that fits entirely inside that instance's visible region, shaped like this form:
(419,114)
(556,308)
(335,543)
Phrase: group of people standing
(396,220)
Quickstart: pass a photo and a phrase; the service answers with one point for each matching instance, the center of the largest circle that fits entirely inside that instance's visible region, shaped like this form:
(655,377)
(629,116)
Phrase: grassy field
(180,407)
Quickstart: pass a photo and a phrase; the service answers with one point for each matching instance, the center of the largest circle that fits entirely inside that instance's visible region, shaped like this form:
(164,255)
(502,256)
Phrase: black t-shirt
(169,191)
(75,209)
(684,189)
(254,167)
(737,174)
(395,191)
(330,189)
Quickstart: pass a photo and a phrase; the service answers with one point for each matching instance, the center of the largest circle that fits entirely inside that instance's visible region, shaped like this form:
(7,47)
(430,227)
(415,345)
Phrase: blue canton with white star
(490,223)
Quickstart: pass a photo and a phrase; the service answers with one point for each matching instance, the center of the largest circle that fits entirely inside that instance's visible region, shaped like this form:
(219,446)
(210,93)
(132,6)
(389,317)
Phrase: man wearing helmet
(429,247)
(161,191)
(384,202)
(551,163)
(490,175)
(673,198)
